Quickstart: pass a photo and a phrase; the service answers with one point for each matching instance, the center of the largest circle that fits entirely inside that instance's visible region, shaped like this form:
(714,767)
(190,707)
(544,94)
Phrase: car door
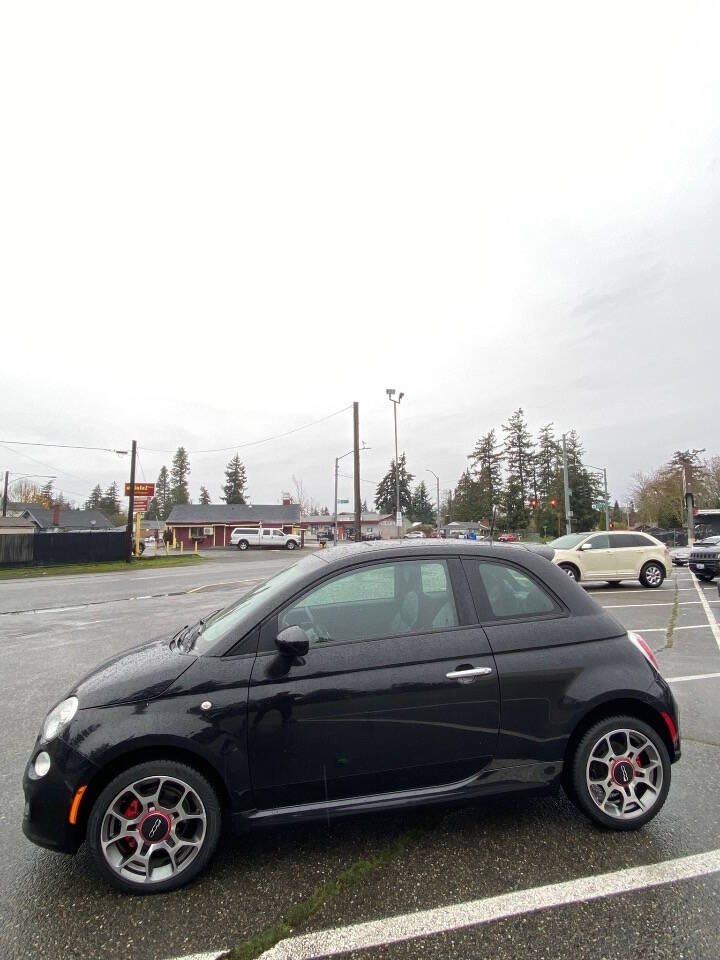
(594,557)
(535,644)
(398,690)
(266,538)
(626,555)
(278,538)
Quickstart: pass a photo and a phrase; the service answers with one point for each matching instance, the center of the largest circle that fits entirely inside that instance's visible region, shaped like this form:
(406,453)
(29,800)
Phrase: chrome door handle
(473,672)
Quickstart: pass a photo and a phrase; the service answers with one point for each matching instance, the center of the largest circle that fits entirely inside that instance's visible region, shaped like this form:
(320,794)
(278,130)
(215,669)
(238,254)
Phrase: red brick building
(212,525)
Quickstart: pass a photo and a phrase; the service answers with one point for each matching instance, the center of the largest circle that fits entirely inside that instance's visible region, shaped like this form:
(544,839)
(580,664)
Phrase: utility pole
(131,504)
(398,515)
(5,488)
(566,488)
(689,501)
(335,523)
(437,519)
(607,503)
(356,459)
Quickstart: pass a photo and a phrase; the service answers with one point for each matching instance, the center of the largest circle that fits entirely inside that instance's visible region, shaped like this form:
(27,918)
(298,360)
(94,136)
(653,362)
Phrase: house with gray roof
(59,519)
(212,524)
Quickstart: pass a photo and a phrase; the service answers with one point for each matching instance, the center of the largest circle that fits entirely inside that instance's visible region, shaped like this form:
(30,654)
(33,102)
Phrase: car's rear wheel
(154,827)
(620,773)
(243,545)
(652,575)
(570,570)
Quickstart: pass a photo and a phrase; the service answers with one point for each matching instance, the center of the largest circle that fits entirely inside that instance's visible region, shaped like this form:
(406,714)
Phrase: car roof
(348,553)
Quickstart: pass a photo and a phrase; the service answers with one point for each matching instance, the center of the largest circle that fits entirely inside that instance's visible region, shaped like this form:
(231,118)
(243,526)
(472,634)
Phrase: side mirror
(293,642)
(586,546)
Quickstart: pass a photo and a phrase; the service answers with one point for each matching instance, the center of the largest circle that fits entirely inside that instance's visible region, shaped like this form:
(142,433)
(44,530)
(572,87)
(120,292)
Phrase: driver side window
(379,600)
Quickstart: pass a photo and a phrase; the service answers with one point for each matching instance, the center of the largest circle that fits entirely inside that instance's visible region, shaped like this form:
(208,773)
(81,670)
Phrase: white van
(245,537)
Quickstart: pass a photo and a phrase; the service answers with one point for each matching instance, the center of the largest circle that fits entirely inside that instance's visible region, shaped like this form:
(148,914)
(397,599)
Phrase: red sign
(140,504)
(141,490)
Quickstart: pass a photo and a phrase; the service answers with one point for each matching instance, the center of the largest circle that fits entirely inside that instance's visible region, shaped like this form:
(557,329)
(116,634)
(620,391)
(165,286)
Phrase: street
(53,631)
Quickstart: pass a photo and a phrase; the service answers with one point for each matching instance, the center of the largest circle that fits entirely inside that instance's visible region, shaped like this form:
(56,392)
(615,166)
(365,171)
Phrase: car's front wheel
(290,545)
(243,545)
(652,575)
(620,773)
(570,570)
(154,827)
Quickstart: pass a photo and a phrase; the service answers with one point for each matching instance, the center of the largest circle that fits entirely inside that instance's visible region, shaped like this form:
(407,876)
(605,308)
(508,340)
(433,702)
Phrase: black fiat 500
(364,677)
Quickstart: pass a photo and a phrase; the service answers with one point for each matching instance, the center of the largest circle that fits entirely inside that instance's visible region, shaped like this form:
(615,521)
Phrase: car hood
(138,674)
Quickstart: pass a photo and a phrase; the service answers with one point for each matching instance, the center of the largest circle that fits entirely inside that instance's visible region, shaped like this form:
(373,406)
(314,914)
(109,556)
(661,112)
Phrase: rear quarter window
(505,592)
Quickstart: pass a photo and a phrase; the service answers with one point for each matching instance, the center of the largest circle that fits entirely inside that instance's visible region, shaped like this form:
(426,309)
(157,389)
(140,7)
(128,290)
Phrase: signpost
(146,490)
(139,494)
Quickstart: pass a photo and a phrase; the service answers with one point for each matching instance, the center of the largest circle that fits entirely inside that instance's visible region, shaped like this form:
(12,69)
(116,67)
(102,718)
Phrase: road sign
(140,504)
(141,490)
(343,501)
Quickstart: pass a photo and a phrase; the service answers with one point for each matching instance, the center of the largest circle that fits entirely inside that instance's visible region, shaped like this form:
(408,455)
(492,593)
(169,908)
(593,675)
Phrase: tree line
(514,476)
(657,497)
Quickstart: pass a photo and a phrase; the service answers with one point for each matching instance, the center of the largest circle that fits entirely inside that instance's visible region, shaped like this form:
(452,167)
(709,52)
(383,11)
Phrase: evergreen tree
(364,507)
(204,496)
(162,498)
(519,456)
(95,499)
(235,482)
(584,487)
(110,502)
(47,494)
(465,499)
(547,463)
(486,469)
(422,508)
(385,499)
(179,492)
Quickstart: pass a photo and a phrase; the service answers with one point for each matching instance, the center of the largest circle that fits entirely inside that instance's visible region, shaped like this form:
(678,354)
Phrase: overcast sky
(219,222)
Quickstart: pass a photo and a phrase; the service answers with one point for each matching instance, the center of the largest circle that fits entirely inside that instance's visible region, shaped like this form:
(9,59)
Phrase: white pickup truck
(245,537)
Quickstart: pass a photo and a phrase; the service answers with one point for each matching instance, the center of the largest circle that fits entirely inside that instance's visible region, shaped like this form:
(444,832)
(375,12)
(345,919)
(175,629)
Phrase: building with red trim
(211,525)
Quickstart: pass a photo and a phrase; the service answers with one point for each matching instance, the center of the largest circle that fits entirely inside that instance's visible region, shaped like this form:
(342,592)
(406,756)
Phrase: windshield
(243,614)
(567,542)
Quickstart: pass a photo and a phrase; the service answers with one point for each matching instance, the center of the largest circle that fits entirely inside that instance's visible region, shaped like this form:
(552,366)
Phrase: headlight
(58,718)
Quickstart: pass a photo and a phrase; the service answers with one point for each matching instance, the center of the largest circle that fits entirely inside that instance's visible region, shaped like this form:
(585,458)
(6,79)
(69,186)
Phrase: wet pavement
(55,906)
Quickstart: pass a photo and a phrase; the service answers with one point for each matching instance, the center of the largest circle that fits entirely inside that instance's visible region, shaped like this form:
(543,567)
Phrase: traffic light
(534,503)
(553,503)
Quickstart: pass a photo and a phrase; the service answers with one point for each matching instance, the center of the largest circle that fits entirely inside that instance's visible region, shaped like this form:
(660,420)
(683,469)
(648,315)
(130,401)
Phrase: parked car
(245,537)
(612,556)
(360,679)
(414,535)
(508,538)
(679,556)
(704,560)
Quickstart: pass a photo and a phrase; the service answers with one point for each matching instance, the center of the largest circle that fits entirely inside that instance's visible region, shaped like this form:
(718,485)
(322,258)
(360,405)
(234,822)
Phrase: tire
(127,803)
(290,545)
(595,773)
(570,570)
(243,544)
(652,575)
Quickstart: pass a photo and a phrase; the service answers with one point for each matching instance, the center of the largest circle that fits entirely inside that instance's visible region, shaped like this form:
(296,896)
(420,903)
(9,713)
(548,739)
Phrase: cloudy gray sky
(220,222)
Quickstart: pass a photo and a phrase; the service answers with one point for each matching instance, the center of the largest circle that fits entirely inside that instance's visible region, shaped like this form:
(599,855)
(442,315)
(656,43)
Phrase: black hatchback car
(364,677)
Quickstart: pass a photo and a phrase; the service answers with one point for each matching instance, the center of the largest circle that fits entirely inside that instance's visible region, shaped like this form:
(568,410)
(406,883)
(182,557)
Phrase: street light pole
(437,518)
(566,487)
(396,403)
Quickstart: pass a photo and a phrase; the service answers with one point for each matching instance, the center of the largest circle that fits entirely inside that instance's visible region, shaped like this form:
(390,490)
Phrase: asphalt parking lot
(412,884)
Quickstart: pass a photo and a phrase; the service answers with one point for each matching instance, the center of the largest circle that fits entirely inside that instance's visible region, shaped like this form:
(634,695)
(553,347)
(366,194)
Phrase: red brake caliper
(131,811)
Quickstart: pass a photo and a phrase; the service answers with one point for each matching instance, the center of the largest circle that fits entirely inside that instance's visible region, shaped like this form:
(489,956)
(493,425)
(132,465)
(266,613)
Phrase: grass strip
(65,569)
(673,619)
(304,911)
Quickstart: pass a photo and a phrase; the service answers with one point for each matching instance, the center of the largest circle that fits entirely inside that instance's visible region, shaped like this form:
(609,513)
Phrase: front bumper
(709,566)
(48,799)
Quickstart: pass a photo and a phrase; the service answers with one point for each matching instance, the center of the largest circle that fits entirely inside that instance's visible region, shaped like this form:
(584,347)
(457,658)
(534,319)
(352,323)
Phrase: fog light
(42,764)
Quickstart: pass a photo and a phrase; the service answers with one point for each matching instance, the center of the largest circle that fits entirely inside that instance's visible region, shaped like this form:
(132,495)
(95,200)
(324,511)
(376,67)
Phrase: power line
(62,446)
(254,443)
(349,476)
(48,466)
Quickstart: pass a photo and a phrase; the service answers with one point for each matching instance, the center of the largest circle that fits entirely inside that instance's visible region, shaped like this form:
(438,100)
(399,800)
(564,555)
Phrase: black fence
(46,548)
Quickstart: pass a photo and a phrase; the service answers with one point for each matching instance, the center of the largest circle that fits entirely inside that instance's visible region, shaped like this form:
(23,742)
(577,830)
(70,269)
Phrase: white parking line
(683,603)
(708,612)
(699,626)
(424,923)
(695,676)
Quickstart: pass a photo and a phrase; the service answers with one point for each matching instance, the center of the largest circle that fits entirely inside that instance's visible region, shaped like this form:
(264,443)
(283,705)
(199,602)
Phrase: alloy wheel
(153,829)
(653,575)
(624,774)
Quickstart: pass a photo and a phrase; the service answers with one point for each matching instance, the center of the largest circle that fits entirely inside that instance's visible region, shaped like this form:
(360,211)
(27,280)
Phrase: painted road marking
(683,603)
(708,612)
(223,583)
(424,923)
(695,676)
(699,626)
